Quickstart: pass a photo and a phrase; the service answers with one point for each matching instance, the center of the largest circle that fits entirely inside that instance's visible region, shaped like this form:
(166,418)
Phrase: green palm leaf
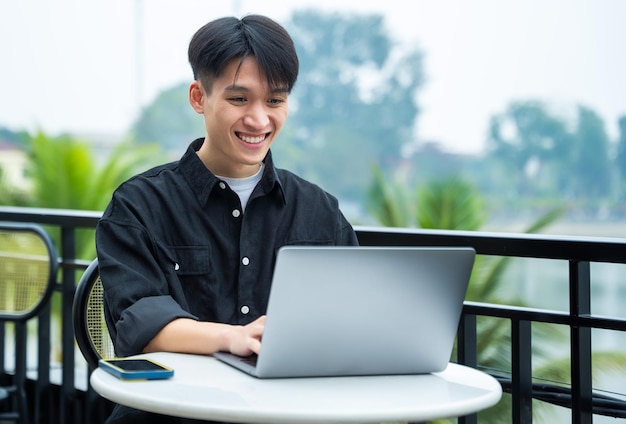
(66,175)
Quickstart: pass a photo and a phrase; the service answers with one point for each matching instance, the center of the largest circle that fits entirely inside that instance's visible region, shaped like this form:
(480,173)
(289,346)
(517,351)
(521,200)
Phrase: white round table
(205,388)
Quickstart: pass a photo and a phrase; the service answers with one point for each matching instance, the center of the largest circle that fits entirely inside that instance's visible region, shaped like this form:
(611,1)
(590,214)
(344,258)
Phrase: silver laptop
(339,311)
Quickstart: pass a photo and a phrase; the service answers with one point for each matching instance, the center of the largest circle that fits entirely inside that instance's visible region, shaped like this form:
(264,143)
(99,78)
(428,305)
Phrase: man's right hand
(185,335)
(247,339)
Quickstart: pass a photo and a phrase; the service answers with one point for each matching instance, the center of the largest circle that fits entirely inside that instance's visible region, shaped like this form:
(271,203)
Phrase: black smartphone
(136,369)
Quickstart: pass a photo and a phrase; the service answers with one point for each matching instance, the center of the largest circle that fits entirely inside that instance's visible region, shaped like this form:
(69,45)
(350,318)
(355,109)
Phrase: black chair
(28,272)
(90,329)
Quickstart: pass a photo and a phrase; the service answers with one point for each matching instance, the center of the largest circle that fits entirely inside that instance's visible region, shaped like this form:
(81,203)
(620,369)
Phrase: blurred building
(13,166)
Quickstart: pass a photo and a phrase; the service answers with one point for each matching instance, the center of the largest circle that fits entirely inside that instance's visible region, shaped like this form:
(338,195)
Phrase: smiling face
(243,115)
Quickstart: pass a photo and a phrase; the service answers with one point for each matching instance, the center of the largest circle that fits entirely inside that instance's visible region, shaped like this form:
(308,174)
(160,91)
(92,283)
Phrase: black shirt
(175,243)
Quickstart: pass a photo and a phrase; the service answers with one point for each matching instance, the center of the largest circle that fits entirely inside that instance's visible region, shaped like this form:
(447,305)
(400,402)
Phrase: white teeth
(252,140)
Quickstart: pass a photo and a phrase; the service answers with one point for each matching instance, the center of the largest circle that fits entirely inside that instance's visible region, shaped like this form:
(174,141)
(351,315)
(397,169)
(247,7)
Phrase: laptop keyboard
(250,359)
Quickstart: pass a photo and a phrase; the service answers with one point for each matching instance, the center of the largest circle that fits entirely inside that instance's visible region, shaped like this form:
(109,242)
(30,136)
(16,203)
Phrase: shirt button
(222,185)
(245,260)
(245,309)
(236,213)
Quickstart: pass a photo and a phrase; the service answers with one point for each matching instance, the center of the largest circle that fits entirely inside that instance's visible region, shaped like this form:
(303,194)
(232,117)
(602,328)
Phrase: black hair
(220,41)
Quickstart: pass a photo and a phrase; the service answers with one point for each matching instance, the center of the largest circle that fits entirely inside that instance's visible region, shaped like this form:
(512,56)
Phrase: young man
(186,250)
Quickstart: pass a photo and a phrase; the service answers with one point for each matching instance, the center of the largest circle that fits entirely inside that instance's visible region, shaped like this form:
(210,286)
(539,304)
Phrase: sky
(88,67)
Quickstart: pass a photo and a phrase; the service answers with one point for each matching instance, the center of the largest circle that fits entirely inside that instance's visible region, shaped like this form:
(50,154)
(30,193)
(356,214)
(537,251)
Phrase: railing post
(581,367)
(67,413)
(21,363)
(43,404)
(466,354)
(467,339)
(521,390)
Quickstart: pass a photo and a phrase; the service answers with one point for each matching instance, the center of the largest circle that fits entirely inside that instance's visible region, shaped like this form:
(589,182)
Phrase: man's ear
(196,93)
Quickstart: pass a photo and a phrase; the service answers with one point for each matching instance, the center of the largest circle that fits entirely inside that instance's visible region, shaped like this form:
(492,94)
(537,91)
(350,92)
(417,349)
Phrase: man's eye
(238,99)
(276,101)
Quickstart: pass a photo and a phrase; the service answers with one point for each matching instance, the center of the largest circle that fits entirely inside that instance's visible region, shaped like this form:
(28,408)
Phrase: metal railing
(64,400)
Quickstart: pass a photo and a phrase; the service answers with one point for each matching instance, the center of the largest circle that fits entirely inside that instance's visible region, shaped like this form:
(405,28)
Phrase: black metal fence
(59,390)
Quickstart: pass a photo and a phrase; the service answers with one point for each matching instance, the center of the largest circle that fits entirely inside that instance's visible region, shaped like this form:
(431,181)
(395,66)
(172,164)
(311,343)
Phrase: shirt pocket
(189,260)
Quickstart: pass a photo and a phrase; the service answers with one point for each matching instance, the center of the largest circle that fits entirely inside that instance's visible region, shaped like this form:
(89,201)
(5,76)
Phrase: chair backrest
(90,329)
(28,270)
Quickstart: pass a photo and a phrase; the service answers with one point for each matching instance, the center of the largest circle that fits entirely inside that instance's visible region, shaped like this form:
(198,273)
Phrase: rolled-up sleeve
(139,323)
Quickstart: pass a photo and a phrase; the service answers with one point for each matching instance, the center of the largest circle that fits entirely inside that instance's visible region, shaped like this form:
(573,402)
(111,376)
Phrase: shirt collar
(271,181)
(202,181)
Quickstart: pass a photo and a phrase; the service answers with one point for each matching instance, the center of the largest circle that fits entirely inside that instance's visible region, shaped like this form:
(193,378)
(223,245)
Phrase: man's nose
(257,117)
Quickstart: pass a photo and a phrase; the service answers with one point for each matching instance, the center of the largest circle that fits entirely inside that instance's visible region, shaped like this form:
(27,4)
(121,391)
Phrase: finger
(255,345)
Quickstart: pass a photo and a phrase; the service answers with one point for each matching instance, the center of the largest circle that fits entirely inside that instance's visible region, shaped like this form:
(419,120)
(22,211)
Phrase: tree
(532,146)
(621,145)
(590,163)
(620,158)
(169,121)
(545,157)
